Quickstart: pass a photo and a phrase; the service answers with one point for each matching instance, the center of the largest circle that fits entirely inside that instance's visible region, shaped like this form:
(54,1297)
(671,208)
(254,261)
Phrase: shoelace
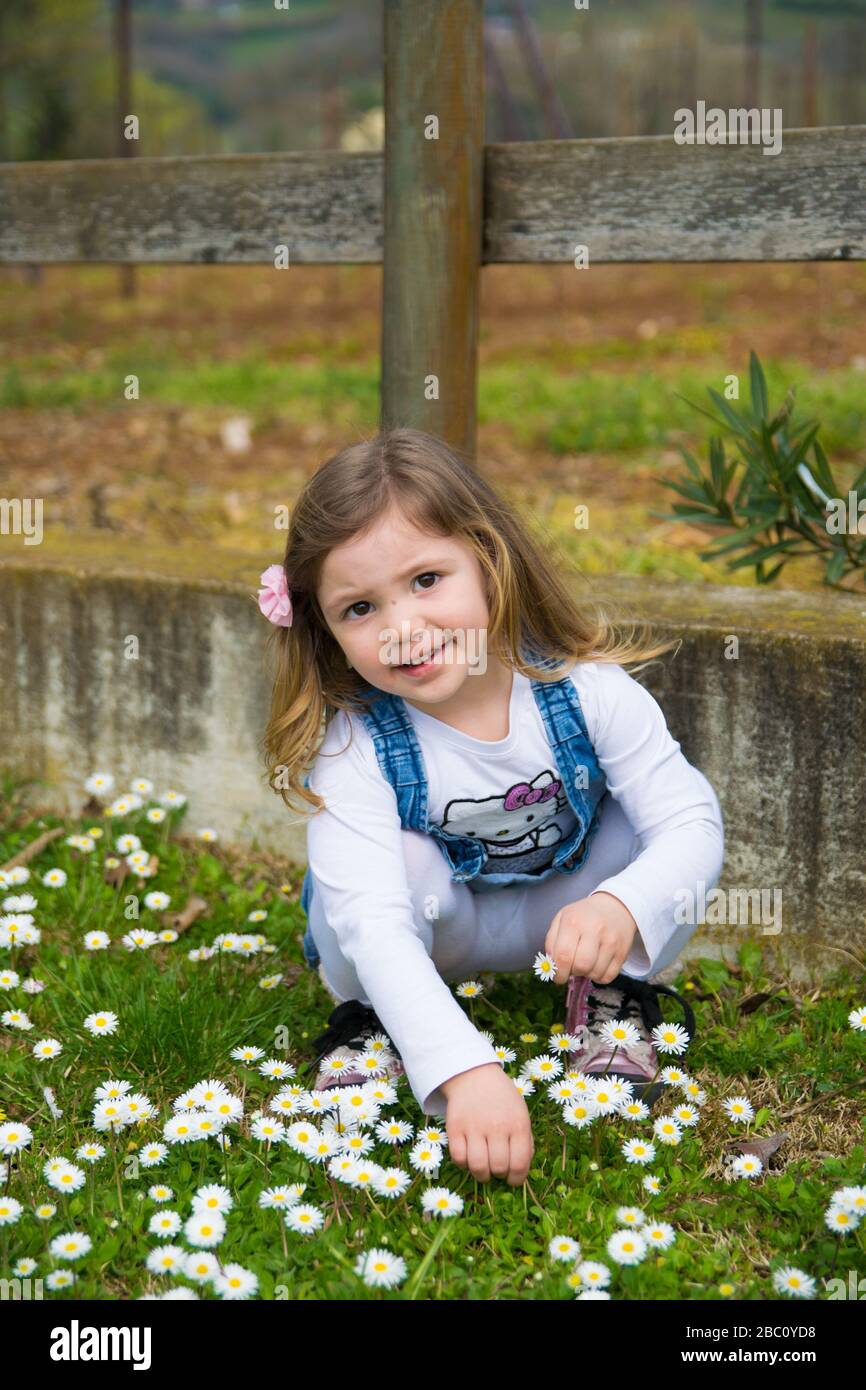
(639,997)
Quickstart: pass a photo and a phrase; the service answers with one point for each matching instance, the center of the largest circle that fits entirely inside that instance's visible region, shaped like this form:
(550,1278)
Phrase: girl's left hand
(591,937)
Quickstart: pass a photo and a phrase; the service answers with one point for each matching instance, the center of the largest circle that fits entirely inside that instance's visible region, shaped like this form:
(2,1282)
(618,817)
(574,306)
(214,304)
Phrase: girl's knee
(429,878)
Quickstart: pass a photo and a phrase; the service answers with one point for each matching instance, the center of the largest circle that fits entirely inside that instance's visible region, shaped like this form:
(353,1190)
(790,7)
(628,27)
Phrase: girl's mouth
(420,668)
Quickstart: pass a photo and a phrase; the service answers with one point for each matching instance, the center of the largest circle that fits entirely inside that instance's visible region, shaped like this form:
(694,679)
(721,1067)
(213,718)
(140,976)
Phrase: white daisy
(441,1201)
(670,1037)
(200,1266)
(543,1067)
(157,901)
(14,1135)
(381,1269)
(470,989)
(168,1259)
(99,783)
(10,1210)
(626,1247)
(394,1131)
(391,1182)
(101,1023)
(666,1129)
(564,1248)
(594,1274)
(747,1166)
(97,941)
(580,1112)
(857,1018)
(425,1157)
(235,1282)
(544,967)
(70,1246)
(205,1228)
(789,1279)
(850,1199)
(172,798)
(304,1219)
(739,1109)
(214,1197)
(839,1220)
(619,1032)
(638,1151)
(630,1216)
(54,878)
(658,1233)
(164,1223)
(603,1094)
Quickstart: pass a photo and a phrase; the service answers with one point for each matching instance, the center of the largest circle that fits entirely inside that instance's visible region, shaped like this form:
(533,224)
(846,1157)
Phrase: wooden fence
(439,203)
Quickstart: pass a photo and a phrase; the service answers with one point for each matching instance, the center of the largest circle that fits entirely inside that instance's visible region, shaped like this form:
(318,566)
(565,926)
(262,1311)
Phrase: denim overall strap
(401,762)
(560,709)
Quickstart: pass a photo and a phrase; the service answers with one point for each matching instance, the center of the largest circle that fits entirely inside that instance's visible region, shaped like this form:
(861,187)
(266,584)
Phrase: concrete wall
(780,731)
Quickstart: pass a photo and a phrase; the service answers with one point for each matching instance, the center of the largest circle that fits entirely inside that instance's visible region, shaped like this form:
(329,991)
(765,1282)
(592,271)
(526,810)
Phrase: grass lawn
(242,1018)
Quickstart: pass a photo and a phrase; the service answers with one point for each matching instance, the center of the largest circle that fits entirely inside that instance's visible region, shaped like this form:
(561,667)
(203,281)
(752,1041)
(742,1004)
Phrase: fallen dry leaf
(193,908)
(114,877)
(754,1001)
(35,847)
(760,1148)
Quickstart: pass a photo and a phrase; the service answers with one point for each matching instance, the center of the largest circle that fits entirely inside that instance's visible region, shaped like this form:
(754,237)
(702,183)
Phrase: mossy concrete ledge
(779,727)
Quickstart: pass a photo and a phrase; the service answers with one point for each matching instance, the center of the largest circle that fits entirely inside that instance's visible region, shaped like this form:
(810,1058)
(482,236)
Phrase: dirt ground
(163,475)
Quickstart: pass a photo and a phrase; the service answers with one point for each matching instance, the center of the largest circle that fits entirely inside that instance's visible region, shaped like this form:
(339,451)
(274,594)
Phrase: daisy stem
(283,1238)
(611,1057)
(563,1151)
(225,1166)
(374,1205)
(116,1171)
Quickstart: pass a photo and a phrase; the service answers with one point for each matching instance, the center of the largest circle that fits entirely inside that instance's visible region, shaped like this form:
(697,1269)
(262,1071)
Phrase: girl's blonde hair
(529,605)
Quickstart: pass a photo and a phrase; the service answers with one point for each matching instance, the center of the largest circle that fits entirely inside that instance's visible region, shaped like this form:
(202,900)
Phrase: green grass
(572,409)
(179,1021)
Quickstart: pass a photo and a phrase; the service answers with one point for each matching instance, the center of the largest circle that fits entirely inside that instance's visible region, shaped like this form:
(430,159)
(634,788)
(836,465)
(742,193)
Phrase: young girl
(490,784)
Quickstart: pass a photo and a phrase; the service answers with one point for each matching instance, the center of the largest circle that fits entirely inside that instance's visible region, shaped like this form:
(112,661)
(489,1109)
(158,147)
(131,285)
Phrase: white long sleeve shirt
(479,788)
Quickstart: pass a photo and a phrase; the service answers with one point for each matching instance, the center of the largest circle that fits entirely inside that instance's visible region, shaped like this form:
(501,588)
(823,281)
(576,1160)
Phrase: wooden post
(125,148)
(433,164)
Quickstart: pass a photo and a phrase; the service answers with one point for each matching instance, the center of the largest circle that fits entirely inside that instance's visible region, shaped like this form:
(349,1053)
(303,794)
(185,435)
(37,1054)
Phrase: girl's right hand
(487,1123)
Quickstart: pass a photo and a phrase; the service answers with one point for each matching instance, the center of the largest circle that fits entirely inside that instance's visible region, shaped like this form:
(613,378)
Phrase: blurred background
(250,379)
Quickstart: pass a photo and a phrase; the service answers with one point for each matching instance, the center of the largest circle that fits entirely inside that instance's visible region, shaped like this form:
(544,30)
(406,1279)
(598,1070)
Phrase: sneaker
(350,1029)
(589,1006)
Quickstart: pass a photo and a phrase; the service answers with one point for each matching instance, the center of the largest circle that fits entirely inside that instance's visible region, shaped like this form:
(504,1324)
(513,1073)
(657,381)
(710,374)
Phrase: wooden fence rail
(639,199)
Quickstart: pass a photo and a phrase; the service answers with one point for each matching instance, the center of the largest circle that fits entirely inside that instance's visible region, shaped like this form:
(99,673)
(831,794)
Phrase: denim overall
(400,760)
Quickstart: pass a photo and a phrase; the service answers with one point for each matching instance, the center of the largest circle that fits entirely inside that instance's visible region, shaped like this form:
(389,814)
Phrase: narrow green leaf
(760,406)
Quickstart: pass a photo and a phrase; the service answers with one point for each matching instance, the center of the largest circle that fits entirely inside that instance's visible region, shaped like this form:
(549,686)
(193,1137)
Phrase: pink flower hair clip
(274,599)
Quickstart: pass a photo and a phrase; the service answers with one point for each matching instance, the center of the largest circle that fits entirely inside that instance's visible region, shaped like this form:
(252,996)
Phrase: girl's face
(396,595)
